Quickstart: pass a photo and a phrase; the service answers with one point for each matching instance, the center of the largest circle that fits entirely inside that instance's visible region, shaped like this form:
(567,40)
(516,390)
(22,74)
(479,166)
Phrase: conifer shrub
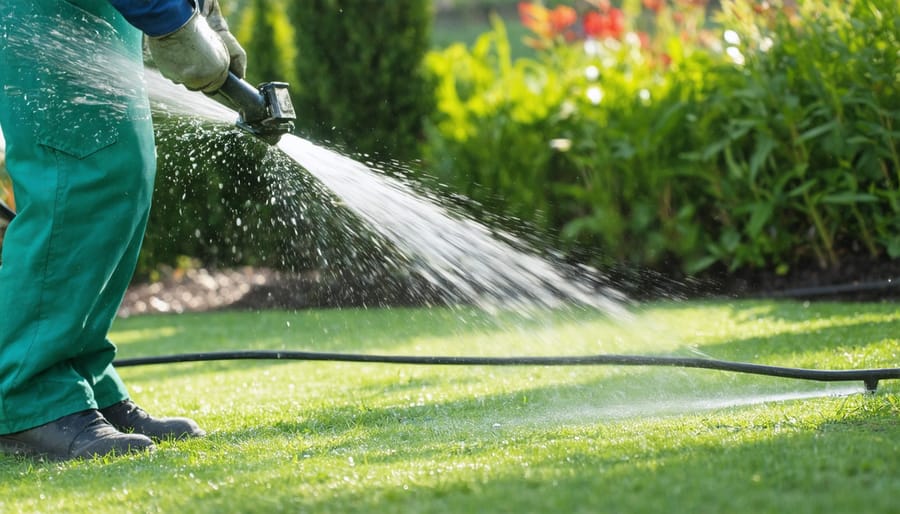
(361,82)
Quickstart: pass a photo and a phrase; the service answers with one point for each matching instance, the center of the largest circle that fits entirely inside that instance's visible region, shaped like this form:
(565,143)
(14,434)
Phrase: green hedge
(361,85)
(786,159)
(267,34)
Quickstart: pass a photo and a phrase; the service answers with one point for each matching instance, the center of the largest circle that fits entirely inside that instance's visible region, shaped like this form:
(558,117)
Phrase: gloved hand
(210,10)
(193,55)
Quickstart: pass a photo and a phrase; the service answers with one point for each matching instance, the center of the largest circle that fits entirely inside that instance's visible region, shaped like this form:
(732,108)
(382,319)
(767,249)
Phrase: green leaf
(761,213)
(818,131)
(849,198)
(802,188)
(893,248)
(700,264)
(764,146)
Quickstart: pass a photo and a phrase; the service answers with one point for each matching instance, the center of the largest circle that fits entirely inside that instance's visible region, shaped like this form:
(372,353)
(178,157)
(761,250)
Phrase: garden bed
(199,290)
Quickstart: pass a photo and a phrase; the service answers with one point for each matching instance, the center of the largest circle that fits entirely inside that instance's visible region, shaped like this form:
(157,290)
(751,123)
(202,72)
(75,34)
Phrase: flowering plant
(640,131)
(662,29)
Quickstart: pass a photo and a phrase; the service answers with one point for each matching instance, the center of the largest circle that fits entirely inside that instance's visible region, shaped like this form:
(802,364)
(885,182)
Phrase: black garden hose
(869,377)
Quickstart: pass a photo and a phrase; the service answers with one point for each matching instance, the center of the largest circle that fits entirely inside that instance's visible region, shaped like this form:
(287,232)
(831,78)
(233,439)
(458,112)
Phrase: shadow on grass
(849,466)
(852,334)
(828,326)
(422,432)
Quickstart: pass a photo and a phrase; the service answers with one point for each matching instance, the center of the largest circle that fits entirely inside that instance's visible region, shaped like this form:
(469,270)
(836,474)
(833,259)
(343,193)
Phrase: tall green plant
(361,83)
(806,140)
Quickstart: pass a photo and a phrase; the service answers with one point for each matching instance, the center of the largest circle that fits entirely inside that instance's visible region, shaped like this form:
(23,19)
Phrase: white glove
(193,55)
(210,10)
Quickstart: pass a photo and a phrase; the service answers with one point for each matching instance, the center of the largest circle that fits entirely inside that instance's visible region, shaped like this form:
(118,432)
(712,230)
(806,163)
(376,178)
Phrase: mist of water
(452,251)
(471,264)
(456,254)
(637,403)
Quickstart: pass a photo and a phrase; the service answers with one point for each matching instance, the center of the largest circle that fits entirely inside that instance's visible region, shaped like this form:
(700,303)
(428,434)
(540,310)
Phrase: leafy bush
(809,151)
(208,194)
(6,194)
(655,142)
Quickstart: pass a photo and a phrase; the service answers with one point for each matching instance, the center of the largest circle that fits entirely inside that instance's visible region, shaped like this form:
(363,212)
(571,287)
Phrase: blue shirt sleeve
(155,17)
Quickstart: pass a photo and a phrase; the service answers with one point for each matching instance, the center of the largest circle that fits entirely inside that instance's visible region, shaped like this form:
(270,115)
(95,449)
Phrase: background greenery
(786,159)
(652,148)
(691,161)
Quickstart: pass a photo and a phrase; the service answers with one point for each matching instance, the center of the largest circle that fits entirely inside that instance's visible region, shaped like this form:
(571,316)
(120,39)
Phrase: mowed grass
(350,437)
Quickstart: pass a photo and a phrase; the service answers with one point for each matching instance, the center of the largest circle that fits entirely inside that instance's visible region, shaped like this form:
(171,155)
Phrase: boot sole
(24,450)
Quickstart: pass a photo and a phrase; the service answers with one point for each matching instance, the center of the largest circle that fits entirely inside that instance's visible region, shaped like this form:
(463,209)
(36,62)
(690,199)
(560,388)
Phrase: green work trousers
(80,151)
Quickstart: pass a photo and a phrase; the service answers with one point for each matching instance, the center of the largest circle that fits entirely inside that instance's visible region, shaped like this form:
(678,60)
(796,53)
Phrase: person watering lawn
(81,155)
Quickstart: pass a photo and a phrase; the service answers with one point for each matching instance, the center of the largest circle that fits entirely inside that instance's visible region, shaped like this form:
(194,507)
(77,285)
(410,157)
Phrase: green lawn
(373,438)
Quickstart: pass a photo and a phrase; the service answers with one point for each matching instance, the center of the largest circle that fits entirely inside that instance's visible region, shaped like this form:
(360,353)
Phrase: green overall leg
(80,151)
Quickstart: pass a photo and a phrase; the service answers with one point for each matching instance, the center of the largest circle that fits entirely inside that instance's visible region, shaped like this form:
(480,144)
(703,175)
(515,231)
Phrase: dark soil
(856,279)
(257,289)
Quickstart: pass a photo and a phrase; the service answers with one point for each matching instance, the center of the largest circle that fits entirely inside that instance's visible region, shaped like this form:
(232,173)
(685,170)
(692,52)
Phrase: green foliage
(778,152)
(586,159)
(6,195)
(808,165)
(359,64)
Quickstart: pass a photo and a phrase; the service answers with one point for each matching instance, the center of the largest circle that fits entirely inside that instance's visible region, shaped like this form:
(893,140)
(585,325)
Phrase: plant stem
(821,229)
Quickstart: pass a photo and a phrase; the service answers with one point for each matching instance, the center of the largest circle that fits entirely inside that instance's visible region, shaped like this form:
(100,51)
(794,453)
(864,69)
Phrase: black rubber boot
(128,417)
(82,435)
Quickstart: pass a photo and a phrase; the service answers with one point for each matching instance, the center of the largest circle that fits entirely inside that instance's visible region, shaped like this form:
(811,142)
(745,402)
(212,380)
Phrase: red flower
(644,38)
(761,7)
(654,5)
(536,18)
(545,23)
(609,25)
(562,17)
(666,60)
(693,3)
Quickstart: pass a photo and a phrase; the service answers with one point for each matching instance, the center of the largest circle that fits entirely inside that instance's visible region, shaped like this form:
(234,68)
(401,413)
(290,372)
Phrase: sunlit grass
(350,437)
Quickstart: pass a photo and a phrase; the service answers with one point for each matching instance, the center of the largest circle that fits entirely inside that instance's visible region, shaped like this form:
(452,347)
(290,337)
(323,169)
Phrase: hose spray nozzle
(265,111)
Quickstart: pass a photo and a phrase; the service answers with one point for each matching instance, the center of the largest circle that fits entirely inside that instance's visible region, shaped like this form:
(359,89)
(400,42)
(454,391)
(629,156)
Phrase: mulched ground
(197,290)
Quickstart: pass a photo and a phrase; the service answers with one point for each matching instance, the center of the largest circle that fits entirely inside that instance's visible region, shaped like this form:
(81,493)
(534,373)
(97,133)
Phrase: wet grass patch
(350,437)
